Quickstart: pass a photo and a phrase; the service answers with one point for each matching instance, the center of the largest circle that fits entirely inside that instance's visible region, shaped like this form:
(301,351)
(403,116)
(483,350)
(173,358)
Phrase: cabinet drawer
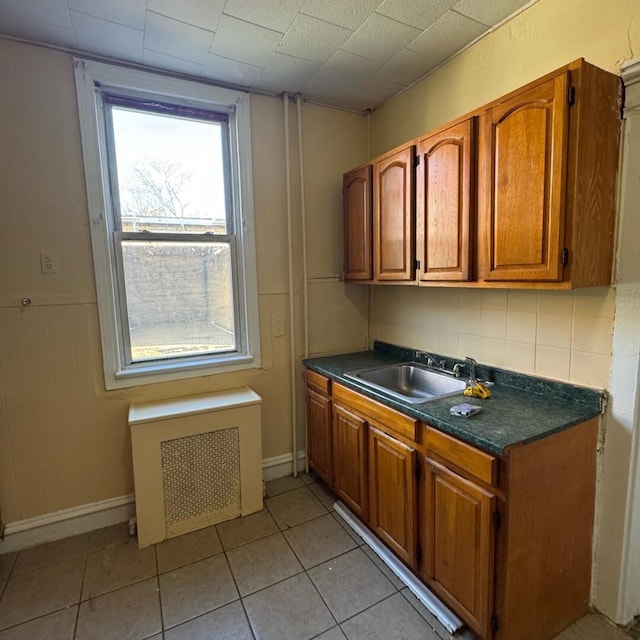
(392,420)
(480,464)
(318,382)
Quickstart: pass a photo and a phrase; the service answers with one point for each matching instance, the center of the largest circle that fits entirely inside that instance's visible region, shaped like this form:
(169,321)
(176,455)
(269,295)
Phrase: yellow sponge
(477,390)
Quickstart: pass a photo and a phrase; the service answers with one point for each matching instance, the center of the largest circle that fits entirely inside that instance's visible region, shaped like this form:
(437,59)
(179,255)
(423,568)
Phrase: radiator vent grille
(201,479)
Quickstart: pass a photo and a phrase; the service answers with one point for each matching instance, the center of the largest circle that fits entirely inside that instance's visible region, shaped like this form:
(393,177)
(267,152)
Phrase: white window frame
(118,373)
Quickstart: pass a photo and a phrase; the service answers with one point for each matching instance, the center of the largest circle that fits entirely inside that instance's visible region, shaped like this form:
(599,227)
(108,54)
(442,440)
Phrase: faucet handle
(472,368)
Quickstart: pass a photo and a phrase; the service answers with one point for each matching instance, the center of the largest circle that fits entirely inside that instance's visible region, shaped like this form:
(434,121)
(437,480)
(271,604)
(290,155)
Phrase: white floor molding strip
(65,523)
(449,620)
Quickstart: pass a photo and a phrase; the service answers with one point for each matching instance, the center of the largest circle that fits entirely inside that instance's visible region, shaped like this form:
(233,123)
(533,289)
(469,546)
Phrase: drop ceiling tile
(200,13)
(349,14)
(405,67)
(177,39)
(55,12)
(130,13)
(245,42)
(107,38)
(14,25)
(313,39)
(273,14)
(415,12)
(377,90)
(163,61)
(368,94)
(230,71)
(380,38)
(446,36)
(489,13)
(286,73)
(347,68)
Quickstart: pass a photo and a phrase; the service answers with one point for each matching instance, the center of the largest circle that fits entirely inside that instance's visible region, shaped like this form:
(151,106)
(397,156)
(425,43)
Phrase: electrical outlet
(48,262)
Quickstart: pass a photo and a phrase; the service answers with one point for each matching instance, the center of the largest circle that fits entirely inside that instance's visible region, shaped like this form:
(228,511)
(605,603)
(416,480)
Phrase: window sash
(124,329)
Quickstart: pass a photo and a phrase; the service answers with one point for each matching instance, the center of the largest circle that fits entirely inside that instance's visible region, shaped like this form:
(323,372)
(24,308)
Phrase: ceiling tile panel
(489,13)
(273,14)
(417,13)
(449,34)
(163,61)
(313,39)
(177,39)
(37,31)
(55,12)
(130,13)
(286,73)
(350,14)
(244,42)
(347,68)
(230,71)
(380,38)
(405,67)
(107,38)
(200,13)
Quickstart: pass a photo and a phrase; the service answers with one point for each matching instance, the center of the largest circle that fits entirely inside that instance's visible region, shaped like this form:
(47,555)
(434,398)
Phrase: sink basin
(409,381)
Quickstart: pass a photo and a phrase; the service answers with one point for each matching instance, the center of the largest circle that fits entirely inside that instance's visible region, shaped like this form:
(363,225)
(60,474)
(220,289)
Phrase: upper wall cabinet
(548,164)
(358,218)
(445,202)
(521,193)
(394,216)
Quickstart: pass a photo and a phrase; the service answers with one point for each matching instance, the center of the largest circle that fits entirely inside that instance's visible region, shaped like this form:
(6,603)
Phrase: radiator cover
(196,461)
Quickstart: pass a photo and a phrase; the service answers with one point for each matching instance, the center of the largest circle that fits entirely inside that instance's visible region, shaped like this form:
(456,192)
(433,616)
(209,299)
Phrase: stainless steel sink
(409,381)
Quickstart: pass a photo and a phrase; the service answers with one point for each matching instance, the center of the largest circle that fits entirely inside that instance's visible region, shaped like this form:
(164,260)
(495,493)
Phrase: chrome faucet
(472,368)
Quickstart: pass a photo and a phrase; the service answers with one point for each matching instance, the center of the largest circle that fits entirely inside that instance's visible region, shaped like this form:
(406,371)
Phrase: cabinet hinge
(416,265)
(564,256)
(494,623)
(416,162)
(417,469)
(572,95)
(418,555)
(497,518)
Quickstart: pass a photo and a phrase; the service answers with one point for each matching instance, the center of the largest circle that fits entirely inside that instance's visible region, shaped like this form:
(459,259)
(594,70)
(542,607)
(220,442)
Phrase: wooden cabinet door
(358,218)
(350,460)
(392,494)
(524,151)
(458,544)
(394,216)
(319,435)
(446,203)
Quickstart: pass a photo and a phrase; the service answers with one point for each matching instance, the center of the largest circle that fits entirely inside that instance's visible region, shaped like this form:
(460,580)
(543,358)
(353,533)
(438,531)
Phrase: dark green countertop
(521,408)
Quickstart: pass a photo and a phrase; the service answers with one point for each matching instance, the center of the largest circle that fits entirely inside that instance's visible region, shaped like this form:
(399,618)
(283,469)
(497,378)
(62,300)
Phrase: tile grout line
(235,582)
(155,554)
(84,574)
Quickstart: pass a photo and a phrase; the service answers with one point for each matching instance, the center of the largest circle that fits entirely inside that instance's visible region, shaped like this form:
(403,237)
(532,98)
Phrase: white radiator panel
(196,461)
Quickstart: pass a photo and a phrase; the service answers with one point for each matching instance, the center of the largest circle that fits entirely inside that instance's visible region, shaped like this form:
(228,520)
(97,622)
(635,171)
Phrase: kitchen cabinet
(394,216)
(520,193)
(318,408)
(350,459)
(485,532)
(357,192)
(548,170)
(446,202)
(393,505)
(458,536)
(524,155)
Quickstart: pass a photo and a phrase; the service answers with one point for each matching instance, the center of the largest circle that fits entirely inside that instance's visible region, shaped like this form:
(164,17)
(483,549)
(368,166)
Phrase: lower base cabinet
(393,507)
(505,541)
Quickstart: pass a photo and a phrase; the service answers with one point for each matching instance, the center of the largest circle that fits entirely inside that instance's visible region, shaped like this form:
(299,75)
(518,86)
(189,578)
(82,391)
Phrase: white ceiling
(347,53)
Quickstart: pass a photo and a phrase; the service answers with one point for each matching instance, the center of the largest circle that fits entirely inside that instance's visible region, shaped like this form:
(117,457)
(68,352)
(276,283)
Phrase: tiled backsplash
(554,334)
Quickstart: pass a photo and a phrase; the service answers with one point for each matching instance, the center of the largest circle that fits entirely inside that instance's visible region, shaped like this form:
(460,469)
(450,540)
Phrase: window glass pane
(179,298)
(170,172)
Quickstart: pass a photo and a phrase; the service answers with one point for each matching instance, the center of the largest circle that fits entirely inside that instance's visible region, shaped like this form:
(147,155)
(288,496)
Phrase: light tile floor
(294,571)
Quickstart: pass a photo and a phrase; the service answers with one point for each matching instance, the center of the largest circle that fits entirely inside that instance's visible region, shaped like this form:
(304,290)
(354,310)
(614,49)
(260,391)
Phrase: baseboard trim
(68,522)
(95,515)
(280,466)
